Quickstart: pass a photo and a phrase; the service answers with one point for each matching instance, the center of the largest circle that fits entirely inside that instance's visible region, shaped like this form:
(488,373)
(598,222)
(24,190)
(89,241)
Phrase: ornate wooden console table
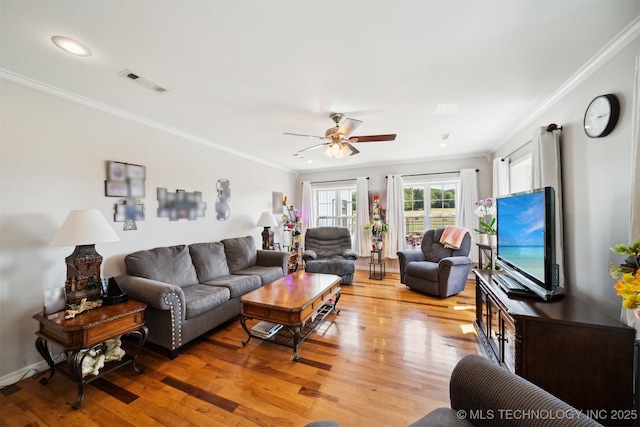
(86,332)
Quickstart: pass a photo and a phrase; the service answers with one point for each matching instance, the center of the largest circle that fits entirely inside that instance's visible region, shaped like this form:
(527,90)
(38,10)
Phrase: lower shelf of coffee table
(287,336)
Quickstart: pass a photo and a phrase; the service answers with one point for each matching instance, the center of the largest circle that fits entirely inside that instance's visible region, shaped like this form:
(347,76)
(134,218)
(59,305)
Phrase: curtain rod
(516,150)
(432,173)
(550,128)
(333,180)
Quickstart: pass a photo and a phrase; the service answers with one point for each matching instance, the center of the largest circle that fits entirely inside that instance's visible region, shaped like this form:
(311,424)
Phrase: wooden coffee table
(299,302)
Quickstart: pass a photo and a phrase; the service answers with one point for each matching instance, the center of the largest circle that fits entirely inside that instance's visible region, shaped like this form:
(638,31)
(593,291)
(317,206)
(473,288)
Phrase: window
(438,211)
(336,207)
(520,174)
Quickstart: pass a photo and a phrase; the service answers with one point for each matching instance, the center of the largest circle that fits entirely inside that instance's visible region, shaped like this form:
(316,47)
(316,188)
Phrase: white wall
(52,160)
(596,179)
(377,174)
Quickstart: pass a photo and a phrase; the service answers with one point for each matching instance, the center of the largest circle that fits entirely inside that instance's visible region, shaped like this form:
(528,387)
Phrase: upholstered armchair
(328,250)
(435,269)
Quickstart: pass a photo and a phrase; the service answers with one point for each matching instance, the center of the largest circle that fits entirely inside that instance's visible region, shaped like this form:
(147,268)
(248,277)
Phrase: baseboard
(23,373)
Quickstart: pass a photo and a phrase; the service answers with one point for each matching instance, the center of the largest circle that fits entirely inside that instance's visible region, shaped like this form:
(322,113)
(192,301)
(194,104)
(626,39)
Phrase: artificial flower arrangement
(486,211)
(292,220)
(377,225)
(628,275)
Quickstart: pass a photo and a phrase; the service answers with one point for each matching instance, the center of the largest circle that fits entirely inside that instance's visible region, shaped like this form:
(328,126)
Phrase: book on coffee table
(266,329)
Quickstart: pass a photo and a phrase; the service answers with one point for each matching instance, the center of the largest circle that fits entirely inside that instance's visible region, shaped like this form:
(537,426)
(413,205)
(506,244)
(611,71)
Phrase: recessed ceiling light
(71,46)
(442,145)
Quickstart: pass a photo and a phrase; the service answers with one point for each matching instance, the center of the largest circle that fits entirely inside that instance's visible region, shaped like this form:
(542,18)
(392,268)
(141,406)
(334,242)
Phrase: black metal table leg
(43,349)
(75,368)
(243,322)
(142,333)
(296,342)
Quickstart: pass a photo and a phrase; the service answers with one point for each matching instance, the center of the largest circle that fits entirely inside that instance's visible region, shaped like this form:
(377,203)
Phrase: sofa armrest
(405,257)
(482,386)
(443,417)
(349,254)
(273,259)
(158,295)
(454,260)
(309,254)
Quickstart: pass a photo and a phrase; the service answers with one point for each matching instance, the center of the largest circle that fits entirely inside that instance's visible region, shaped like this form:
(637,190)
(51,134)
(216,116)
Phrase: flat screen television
(526,249)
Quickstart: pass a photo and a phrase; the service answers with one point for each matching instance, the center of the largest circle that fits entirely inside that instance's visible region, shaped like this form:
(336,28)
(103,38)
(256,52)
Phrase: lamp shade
(84,227)
(267,220)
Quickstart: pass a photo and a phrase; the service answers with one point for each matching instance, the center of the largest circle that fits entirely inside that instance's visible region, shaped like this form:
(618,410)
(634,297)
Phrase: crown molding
(624,37)
(88,102)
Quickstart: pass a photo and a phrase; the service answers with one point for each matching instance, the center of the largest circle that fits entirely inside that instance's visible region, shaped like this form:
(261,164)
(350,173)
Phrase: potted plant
(486,211)
(377,226)
(628,285)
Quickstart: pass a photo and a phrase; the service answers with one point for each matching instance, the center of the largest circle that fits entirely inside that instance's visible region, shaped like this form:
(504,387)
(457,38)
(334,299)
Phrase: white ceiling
(240,73)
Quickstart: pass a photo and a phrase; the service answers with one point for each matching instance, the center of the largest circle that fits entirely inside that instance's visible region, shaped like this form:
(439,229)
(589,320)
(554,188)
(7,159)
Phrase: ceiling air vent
(143,81)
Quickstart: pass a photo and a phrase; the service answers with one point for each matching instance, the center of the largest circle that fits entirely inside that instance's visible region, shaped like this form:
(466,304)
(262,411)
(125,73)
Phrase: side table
(376,265)
(88,331)
(486,251)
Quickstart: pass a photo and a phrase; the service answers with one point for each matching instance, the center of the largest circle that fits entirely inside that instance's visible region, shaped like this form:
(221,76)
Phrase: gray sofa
(485,394)
(191,289)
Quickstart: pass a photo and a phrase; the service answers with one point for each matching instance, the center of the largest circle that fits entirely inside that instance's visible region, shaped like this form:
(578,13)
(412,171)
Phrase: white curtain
(306,209)
(546,172)
(396,235)
(635,157)
(467,196)
(362,244)
(500,177)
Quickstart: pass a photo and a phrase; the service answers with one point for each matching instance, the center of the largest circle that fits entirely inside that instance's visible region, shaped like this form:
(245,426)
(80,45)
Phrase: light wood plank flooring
(385,360)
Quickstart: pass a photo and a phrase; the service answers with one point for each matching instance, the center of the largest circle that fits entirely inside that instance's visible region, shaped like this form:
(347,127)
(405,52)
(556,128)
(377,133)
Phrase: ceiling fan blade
(353,149)
(308,136)
(348,126)
(313,147)
(373,138)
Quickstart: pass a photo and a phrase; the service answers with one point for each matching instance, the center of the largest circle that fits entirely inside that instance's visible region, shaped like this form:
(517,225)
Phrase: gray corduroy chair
(434,269)
(483,393)
(328,250)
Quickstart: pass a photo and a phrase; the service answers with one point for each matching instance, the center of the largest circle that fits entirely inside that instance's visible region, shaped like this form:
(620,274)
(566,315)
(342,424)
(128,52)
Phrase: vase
(483,239)
(492,240)
(378,245)
(629,318)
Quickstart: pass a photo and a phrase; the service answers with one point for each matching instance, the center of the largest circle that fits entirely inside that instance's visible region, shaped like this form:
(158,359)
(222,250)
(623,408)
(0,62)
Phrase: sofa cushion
(236,284)
(202,298)
(167,264)
(333,265)
(424,270)
(267,274)
(241,253)
(209,260)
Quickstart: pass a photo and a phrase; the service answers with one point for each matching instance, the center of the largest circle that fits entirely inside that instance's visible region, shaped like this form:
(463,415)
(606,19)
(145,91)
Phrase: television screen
(521,232)
(526,243)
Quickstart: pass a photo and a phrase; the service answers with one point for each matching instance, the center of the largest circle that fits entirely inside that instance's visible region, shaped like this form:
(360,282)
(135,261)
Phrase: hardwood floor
(385,360)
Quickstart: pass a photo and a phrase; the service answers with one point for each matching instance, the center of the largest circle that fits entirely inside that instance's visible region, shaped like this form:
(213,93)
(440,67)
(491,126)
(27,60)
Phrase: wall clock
(601,116)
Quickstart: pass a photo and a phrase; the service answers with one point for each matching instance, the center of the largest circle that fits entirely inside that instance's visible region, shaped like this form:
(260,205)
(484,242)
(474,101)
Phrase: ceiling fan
(337,140)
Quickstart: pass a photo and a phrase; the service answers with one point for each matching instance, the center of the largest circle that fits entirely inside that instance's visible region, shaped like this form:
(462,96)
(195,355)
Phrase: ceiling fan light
(336,151)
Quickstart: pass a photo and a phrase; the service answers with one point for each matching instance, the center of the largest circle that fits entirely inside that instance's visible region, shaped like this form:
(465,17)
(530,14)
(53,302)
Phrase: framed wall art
(116,171)
(116,189)
(125,180)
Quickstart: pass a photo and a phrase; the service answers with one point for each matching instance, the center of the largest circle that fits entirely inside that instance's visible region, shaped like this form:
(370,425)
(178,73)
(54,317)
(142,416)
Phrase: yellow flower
(628,287)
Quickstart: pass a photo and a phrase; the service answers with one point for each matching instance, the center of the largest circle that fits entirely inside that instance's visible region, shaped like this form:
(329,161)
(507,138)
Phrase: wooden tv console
(566,347)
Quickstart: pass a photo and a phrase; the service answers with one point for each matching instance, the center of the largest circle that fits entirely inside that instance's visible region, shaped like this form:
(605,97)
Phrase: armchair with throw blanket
(328,250)
(438,269)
